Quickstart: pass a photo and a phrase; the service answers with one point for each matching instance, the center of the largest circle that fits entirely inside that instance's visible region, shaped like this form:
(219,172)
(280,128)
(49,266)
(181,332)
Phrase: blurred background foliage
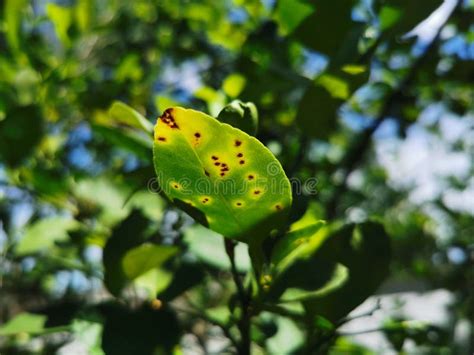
(374,98)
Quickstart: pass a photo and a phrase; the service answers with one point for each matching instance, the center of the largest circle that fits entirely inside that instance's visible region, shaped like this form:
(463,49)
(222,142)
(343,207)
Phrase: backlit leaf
(123,113)
(145,257)
(24,323)
(42,235)
(224,178)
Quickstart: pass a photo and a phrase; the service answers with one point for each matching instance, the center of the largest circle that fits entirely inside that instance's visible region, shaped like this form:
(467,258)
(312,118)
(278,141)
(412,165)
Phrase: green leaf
(43,234)
(145,257)
(295,244)
(290,13)
(185,277)
(105,193)
(62,17)
(400,16)
(327,28)
(224,178)
(20,133)
(333,269)
(139,331)
(125,138)
(13,10)
(154,281)
(288,338)
(234,84)
(317,112)
(241,115)
(126,236)
(124,114)
(209,248)
(24,323)
(318,109)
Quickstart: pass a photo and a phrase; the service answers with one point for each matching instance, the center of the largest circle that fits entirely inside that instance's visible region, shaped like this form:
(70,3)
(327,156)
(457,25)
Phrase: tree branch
(244,321)
(356,153)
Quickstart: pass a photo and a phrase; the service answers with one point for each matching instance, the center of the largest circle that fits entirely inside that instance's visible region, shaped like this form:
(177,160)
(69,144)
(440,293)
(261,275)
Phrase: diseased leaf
(227,179)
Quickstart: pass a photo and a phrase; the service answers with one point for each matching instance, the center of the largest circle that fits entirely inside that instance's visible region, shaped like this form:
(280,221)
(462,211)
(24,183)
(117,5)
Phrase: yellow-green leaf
(224,178)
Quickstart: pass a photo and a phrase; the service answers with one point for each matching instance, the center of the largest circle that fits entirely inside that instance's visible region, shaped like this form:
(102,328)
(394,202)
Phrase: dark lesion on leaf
(250,177)
(197,135)
(257,192)
(237,143)
(205,200)
(278,207)
(224,169)
(242,162)
(238,204)
(161,139)
(240,155)
(168,119)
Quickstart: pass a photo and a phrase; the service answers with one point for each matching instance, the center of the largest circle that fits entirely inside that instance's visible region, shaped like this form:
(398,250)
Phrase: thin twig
(244,298)
(362,315)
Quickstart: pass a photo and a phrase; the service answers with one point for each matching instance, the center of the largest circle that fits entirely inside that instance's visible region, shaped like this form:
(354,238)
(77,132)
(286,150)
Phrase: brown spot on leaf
(214,157)
(278,207)
(242,162)
(206,173)
(217,163)
(250,177)
(162,139)
(205,200)
(257,192)
(240,155)
(238,143)
(168,119)
(197,135)
(238,204)
(222,174)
